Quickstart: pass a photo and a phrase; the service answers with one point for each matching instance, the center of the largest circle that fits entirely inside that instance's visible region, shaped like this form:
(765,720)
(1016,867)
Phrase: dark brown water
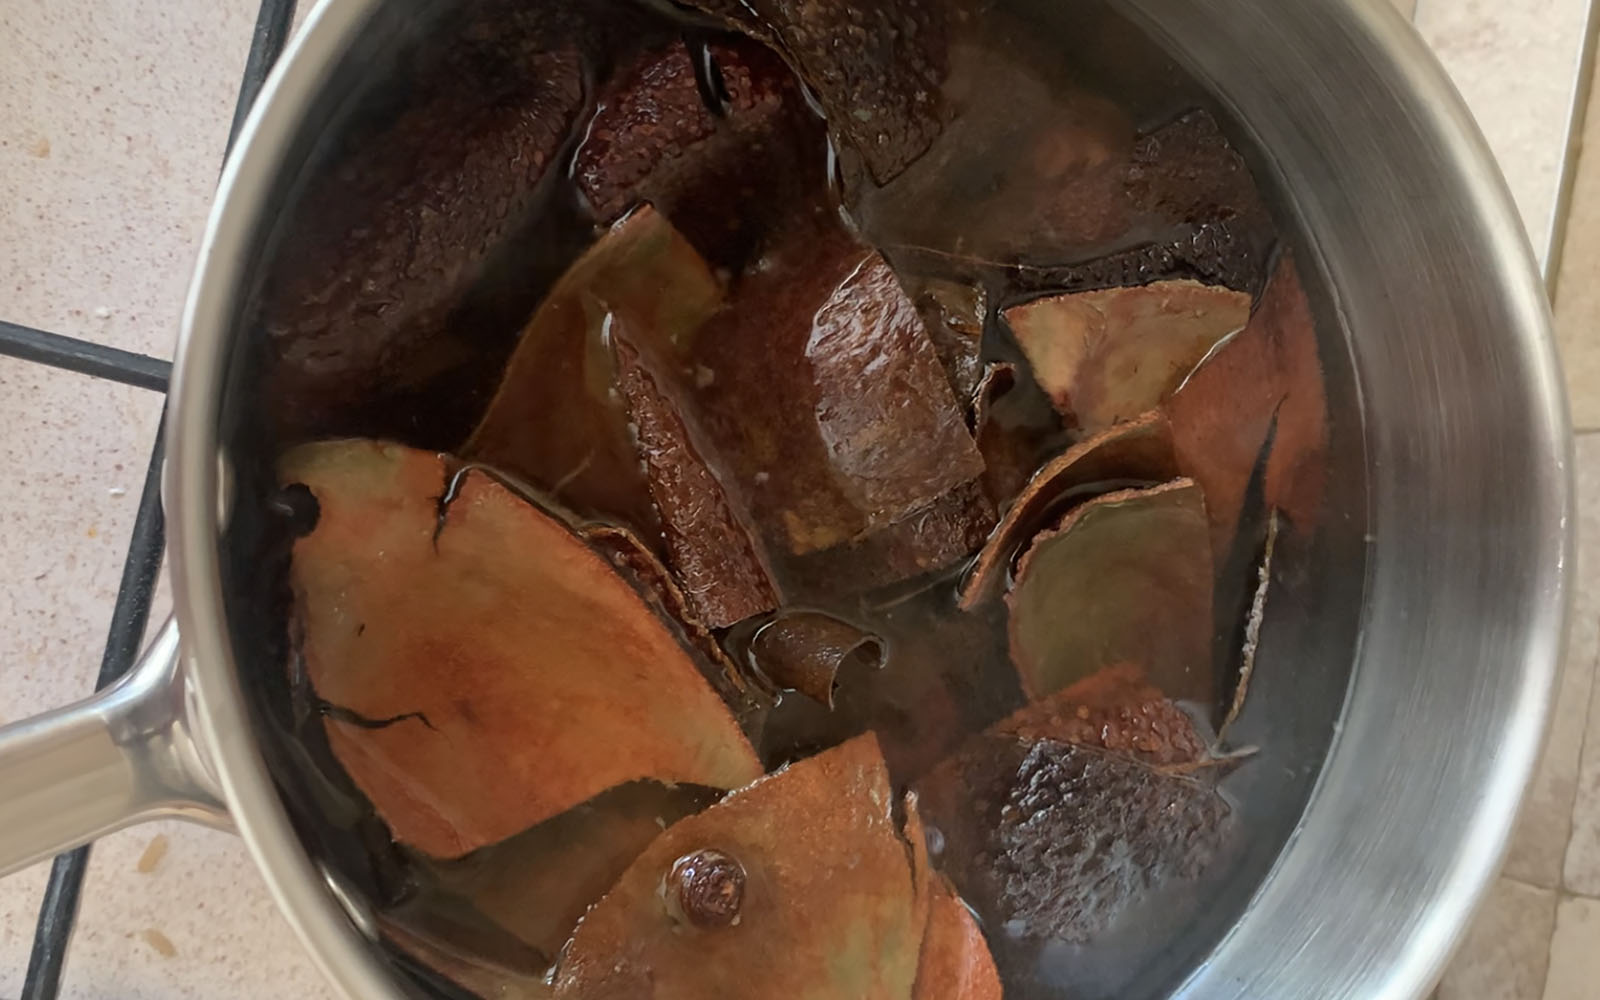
(1025,191)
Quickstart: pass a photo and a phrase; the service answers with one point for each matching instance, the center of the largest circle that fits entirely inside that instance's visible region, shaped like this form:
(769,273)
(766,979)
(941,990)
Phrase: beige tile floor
(112,121)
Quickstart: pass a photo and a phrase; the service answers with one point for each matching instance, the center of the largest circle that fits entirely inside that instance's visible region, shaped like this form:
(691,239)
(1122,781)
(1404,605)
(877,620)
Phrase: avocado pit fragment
(644,570)
(955,963)
(829,905)
(724,178)
(609,351)
(481,618)
(1059,817)
(1117,710)
(1268,378)
(1005,424)
(954,314)
(537,884)
(1140,449)
(829,402)
(1125,577)
(1108,356)
(710,540)
(642,270)
(1186,182)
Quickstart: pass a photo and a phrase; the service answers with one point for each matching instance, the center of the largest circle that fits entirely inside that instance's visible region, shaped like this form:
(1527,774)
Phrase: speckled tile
(1540,843)
(1577,303)
(1574,957)
(1516,63)
(20,895)
(113,118)
(72,461)
(1507,950)
(68,494)
(198,925)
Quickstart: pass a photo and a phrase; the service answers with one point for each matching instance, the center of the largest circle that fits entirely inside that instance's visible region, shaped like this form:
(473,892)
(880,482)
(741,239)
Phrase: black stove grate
(131,612)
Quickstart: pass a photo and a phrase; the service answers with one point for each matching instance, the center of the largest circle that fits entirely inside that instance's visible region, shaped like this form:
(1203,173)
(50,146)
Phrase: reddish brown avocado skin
(399,227)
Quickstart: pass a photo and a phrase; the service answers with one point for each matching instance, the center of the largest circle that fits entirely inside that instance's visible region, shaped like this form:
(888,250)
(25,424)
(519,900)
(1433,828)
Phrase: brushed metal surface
(1469,469)
(122,756)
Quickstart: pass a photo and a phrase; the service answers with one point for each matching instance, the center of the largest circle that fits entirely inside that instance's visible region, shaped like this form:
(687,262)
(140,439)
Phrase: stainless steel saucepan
(1456,506)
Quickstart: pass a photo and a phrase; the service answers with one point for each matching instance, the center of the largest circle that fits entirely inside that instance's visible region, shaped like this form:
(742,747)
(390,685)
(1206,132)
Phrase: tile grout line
(1589,730)
(1565,896)
(1550,942)
(1562,893)
(1562,896)
(1572,151)
(1590,733)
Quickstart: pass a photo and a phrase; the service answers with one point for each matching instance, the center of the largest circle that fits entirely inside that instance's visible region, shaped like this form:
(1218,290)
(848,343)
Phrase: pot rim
(194,487)
(196,478)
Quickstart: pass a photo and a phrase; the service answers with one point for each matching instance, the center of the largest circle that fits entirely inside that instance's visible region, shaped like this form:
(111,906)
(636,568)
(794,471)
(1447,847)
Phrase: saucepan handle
(122,756)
